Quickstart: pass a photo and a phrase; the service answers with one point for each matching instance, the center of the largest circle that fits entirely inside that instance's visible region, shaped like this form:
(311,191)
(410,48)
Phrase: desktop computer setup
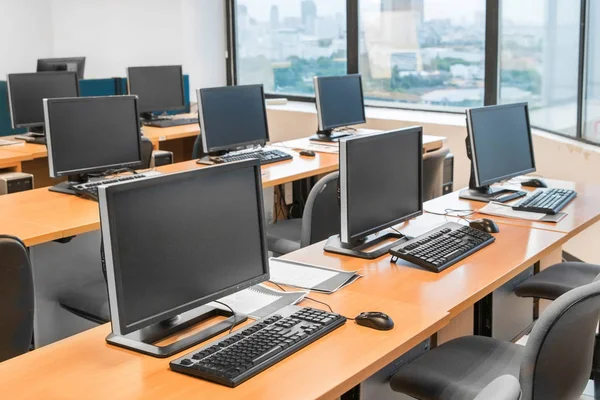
(72,64)
(233,121)
(500,147)
(380,187)
(340,103)
(159,89)
(83,142)
(26,93)
(170,251)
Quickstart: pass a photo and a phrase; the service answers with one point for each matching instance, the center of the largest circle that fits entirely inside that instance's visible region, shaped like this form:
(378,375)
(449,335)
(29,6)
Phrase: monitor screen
(72,64)
(232,116)
(179,241)
(158,88)
(500,142)
(26,93)
(88,134)
(380,181)
(339,101)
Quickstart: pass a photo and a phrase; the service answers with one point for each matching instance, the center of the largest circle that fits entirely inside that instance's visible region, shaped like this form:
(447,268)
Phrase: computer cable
(234,314)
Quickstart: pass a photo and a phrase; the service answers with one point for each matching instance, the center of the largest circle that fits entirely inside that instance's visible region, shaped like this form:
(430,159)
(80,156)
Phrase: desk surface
(9,157)
(582,212)
(85,367)
(30,149)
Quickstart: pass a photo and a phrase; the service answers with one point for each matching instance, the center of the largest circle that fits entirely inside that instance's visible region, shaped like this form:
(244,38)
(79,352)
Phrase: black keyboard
(169,122)
(509,196)
(264,156)
(90,190)
(442,247)
(239,356)
(546,201)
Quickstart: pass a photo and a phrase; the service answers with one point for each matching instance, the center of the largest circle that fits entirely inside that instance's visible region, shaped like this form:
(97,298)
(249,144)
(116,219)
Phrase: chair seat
(558,279)
(284,236)
(458,369)
(89,301)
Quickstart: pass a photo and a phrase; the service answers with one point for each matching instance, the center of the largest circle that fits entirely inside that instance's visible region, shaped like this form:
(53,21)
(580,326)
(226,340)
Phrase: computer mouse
(485,225)
(375,320)
(536,183)
(307,153)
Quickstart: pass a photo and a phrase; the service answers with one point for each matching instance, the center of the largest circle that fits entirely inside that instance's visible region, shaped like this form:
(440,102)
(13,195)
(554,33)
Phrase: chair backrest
(433,173)
(558,357)
(321,218)
(16,298)
(147,147)
(198,150)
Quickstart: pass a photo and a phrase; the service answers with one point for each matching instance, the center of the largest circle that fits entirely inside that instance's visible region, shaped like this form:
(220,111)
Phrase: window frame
(491,68)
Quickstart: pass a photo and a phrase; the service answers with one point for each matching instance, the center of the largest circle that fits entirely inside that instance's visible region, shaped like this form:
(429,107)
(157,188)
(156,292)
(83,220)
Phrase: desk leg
(459,326)
(59,268)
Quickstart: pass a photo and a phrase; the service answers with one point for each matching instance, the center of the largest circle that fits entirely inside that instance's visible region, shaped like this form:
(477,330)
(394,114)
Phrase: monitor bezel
(53,172)
(51,61)
(119,322)
(173,108)
(317,86)
(345,207)
(474,159)
(10,99)
(261,142)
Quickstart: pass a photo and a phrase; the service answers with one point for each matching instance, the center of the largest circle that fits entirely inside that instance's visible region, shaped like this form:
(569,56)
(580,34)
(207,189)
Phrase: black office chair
(321,219)
(16,298)
(554,365)
(147,148)
(198,149)
(433,173)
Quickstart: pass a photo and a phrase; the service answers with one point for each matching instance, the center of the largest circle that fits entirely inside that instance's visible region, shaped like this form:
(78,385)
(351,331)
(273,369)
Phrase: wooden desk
(430,143)
(85,367)
(582,212)
(12,160)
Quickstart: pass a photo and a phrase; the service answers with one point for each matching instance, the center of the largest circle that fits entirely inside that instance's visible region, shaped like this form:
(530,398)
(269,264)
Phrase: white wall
(113,35)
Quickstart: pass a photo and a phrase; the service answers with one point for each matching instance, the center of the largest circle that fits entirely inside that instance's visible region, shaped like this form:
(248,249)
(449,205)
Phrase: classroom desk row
(420,302)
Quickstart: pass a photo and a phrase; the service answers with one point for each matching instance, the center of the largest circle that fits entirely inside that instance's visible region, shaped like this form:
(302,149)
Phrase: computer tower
(502,314)
(13,182)
(161,157)
(448,182)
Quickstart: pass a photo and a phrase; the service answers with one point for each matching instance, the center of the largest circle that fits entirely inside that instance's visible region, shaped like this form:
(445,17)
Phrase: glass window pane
(591,116)
(283,44)
(539,63)
(425,53)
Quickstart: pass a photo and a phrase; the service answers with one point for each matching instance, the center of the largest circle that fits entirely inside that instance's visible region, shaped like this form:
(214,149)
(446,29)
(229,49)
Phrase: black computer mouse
(307,153)
(375,320)
(536,183)
(485,225)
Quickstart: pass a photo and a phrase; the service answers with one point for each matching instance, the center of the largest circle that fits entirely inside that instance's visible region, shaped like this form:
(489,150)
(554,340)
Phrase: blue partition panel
(98,87)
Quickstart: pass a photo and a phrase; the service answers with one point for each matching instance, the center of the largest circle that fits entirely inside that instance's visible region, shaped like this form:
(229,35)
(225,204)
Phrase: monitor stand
(369,248)
(142,341)
(67,187)
(329,136)
(33,135)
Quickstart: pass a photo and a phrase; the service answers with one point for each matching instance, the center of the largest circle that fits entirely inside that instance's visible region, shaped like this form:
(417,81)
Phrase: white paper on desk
(316,147)
(298,275)
(4,142)
(505,210)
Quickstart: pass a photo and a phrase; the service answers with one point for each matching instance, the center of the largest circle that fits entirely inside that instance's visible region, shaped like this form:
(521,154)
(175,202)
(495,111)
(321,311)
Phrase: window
(423,52)
(591,115)
(539,60)
(283,44)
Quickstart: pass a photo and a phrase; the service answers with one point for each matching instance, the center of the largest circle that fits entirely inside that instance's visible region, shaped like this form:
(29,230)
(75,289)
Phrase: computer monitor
(176,242)
(159,88)
(500,147)
(26,93)
(232,117)
(91,134)
(340,103)
(381,178)
(72,64)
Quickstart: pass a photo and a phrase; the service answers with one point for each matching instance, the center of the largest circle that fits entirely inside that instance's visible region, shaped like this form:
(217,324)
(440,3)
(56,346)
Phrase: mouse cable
(311,299)
(234,315)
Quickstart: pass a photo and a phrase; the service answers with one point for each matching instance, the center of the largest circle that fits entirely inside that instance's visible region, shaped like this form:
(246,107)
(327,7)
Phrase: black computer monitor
(91,134)
(72,64)
(232,117)
(381,178)
(176,242)
(500,147)
(159,88)
(340,103)
(26,93)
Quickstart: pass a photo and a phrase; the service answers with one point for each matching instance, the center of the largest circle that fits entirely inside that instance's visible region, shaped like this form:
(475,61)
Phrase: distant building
(309,16)
(274,17)
(417,6)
